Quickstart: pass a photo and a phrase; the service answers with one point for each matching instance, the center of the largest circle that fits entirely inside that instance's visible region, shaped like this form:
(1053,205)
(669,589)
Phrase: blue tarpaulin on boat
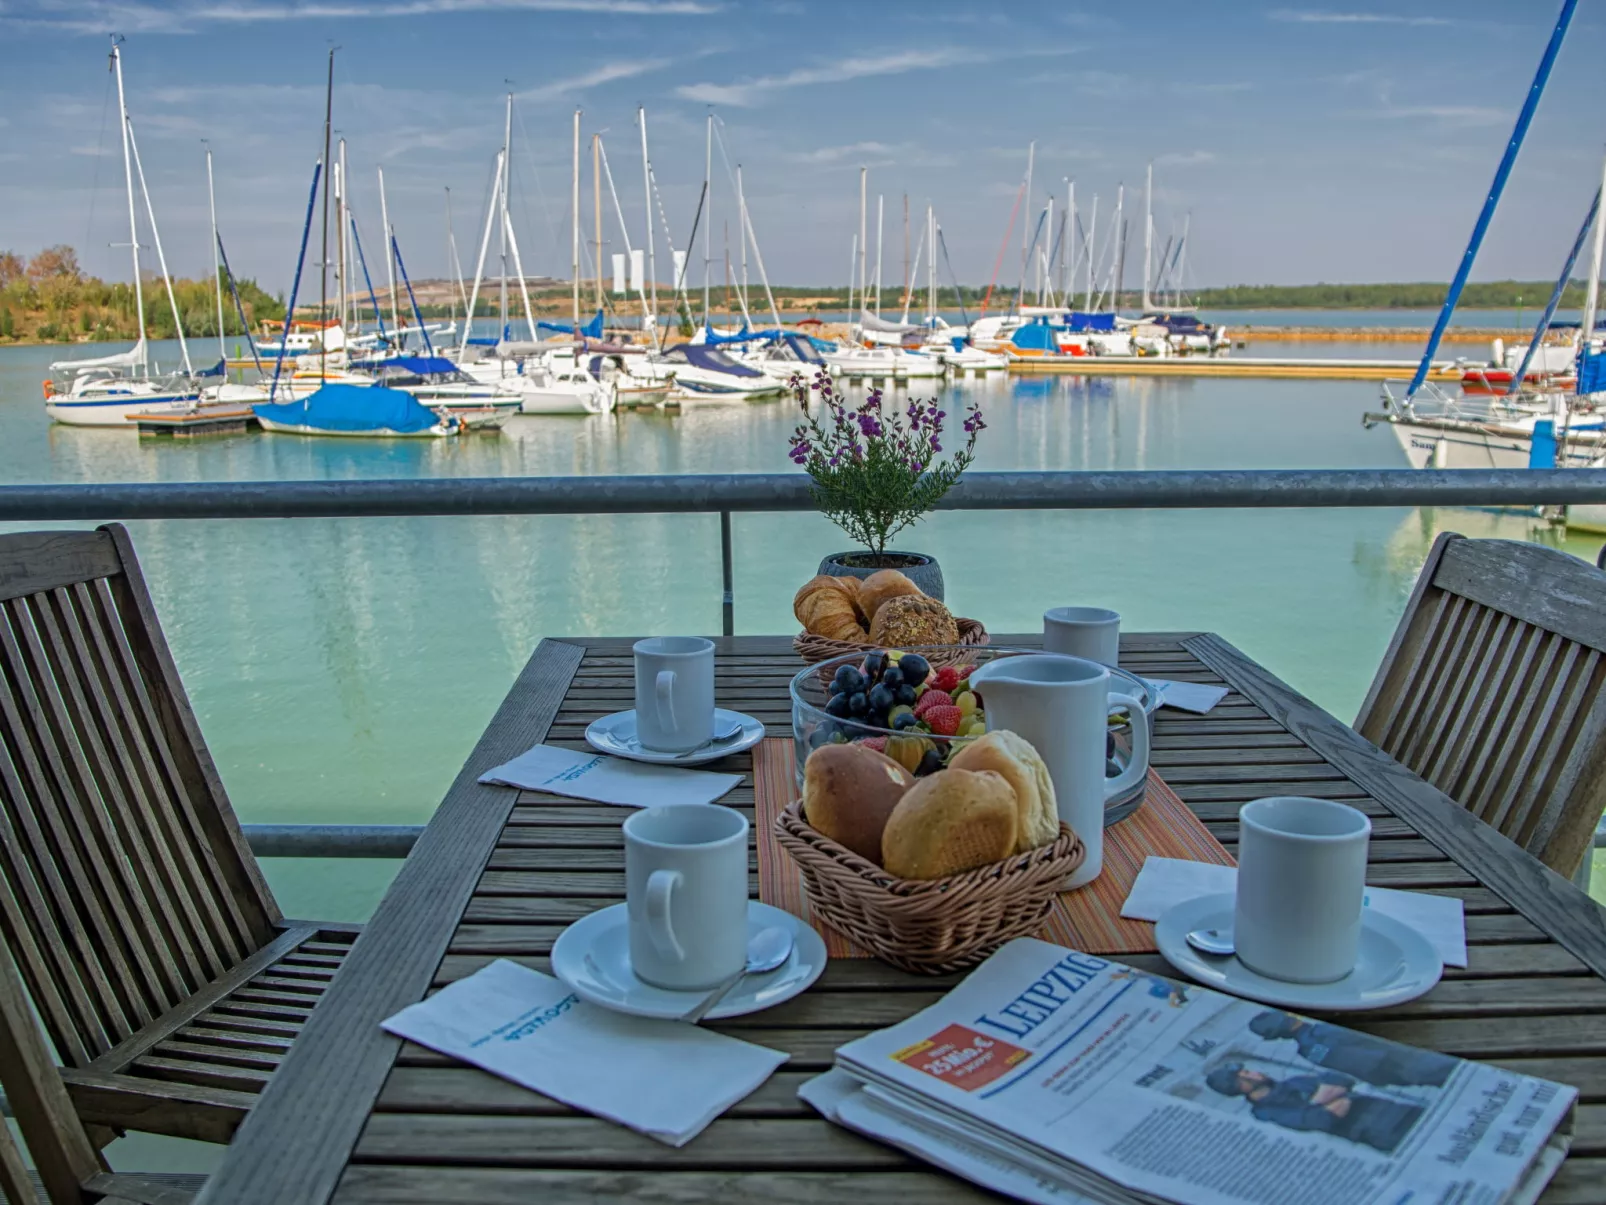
(1036,336)
(805,348)
(215,371)
(422,366)
(707,357)
(1092,322)
(591,330)
(353,408)
(484,341)
(1592,372)
(1542,447)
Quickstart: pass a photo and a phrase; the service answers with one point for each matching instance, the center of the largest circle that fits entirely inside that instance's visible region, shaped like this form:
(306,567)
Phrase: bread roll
(910,620)
(826,607)
(1012,756)
(883,586)
(848,793)
(951,821)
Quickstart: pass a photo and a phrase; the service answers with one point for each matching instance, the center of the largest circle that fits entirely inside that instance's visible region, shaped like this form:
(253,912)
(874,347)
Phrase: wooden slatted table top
(355,1117)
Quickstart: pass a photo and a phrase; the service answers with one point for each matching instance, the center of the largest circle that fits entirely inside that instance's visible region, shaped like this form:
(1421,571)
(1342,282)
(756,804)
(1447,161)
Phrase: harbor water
(343,668)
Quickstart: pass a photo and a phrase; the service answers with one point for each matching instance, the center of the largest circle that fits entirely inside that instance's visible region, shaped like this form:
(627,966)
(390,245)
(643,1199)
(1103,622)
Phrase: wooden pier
(202,421)
(1229,366)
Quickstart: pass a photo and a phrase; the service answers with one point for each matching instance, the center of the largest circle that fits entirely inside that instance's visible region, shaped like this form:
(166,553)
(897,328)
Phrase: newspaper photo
(1070,1078)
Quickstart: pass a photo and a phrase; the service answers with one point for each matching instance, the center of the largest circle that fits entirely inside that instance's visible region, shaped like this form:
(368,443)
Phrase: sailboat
(109,390)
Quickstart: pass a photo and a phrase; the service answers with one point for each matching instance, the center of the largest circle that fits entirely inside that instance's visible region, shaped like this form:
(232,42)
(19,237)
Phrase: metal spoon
(766,950)
(1217,942)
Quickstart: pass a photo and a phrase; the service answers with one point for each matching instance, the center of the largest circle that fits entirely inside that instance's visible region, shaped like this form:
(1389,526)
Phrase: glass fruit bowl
(824,710)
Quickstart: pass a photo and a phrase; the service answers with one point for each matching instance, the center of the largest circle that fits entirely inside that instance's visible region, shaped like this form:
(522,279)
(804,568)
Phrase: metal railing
(728,494)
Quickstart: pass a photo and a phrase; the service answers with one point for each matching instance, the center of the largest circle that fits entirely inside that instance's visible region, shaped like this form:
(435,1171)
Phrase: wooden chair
(1491,690)
(140,929)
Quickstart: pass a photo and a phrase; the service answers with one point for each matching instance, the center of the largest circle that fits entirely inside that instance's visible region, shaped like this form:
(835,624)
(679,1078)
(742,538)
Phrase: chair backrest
(125,882)
(1491,690)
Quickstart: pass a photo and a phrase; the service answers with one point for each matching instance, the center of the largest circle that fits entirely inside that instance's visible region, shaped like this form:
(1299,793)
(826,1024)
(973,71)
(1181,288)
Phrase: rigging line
(239,306)
(1002,247)
(730,177)
(748,232)
(959,293)
(1020,292)
(493,178)
(624,232)
(362,260)
(100,149)
(295,284)
(156,238)
(529,154)
(1562,282)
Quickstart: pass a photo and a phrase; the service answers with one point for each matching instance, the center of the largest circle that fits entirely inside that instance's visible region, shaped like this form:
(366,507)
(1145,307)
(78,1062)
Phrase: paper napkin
(1164,882)
(663,1078)
(1187,696)
(604,779)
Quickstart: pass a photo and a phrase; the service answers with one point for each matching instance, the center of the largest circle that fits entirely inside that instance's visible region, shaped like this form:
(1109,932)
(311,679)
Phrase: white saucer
(592,956)
(1396,962)
(616,734)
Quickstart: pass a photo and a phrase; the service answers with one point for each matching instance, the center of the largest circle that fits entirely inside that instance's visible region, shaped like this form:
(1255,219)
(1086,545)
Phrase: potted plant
(878,468)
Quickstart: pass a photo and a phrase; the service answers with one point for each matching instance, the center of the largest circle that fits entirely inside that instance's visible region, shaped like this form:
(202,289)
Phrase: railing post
(728,616)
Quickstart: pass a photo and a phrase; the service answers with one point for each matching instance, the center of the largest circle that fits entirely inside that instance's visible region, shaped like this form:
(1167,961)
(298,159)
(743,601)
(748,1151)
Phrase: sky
(1301,143)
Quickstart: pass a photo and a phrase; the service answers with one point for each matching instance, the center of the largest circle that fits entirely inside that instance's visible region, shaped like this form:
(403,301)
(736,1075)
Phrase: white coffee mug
(1092,633)
(1301,884)
(674,693)
(686,894)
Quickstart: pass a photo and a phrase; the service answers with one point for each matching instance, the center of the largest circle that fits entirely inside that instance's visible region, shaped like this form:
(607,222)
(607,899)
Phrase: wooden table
(354,1116)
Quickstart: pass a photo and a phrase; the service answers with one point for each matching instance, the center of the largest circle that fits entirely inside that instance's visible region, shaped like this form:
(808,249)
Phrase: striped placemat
(1088,919)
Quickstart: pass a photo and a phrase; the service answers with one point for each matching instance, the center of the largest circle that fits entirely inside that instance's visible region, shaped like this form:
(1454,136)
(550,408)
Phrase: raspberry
(878,743)
(964,672)
(933,698)
(944,721)
(945,679)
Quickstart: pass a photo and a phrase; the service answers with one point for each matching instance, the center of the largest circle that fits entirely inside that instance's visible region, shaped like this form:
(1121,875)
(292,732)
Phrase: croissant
(883,586)
(825,607)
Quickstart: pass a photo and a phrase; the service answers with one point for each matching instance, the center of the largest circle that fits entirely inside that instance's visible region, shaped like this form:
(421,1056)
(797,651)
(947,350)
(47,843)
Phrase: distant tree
(11,267)
(60,260)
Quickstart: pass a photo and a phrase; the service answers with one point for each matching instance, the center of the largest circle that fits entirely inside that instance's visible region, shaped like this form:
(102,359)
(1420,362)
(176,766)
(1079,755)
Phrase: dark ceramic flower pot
(922,570)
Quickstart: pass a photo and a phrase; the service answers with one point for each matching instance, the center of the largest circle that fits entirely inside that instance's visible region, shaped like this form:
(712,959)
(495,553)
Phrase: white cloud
(1328,17)
(1186,158)
(132,16)
(604,74)
(836,154)
(1468,115)
(749,92)
(1220,88)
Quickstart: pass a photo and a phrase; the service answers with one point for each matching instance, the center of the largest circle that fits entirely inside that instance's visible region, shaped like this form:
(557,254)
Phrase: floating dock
(204,420)
(1317,369)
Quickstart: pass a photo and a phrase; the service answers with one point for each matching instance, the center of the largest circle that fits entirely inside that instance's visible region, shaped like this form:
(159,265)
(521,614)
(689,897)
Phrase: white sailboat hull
(120,411)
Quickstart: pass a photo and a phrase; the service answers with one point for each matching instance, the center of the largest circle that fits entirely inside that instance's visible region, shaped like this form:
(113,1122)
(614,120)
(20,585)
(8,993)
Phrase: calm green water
(343,669)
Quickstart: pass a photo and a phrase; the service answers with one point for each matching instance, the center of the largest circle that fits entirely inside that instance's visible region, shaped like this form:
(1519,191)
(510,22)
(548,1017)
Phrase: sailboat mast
(133,227)
(574,272)
(1068,264)
(905,251)
(507,159)
(390,258)
(1092,234)
(1586,332)
(1045,263)
(646,190)
(708,226)
(931,266)
(1031,157)
(1182,261)
(217,265)
(1148,237)
(880,229)
(341,238)
(864,233)
(491,213)
(741,217)
(1118,233)
(596,206)
(323,256)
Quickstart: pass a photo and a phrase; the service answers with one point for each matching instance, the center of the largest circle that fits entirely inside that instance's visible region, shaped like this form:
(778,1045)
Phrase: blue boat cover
(591,330)
(484,341)
(1036,336)
(353,408)
(215,371)
(702,356)
(1542,447)
(805,348)
(1592,372)
(422,366)
(1092,322)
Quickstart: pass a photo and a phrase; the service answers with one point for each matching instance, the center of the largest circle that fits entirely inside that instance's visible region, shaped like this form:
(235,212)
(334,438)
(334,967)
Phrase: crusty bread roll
(909,620)
(951,821)
(883,586)
(827,607)
(1012,756)
(848,793)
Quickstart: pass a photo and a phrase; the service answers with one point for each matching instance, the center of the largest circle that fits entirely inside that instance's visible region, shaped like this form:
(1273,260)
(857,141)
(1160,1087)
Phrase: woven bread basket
(927,925)
(814,648)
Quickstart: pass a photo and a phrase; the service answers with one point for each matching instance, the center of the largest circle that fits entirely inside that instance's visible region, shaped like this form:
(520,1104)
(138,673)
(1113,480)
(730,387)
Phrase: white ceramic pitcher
(1062,705)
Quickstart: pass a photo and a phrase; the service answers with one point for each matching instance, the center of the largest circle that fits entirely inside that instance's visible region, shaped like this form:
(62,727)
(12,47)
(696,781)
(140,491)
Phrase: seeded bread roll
(951,821)
(848,793)
(883,586)
(1012,756)
(912,620)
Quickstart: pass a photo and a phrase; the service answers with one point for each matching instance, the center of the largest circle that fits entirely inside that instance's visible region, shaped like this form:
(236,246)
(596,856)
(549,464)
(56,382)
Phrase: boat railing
(728,495)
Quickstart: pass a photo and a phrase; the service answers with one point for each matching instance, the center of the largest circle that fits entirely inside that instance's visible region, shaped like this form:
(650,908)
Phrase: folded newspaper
(1057,1077)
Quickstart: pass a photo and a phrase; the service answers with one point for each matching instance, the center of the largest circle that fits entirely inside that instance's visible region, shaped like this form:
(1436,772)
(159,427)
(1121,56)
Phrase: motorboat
(963,357)
(356,411)
(445,389)
(707,373)
(864,363)
(1550,365)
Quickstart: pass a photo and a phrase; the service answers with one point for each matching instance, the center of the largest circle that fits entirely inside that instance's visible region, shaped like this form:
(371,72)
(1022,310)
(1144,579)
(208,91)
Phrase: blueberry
(905,695)
(837,705)
(847,680)
(929,764)
(875,664)
(822,734)
(907,719)
(858,703)
(893,678)
(915,668)
(882,700)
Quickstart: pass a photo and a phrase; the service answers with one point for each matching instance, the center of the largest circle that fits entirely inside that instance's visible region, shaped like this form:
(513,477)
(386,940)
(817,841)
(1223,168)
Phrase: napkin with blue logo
(664,1079)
